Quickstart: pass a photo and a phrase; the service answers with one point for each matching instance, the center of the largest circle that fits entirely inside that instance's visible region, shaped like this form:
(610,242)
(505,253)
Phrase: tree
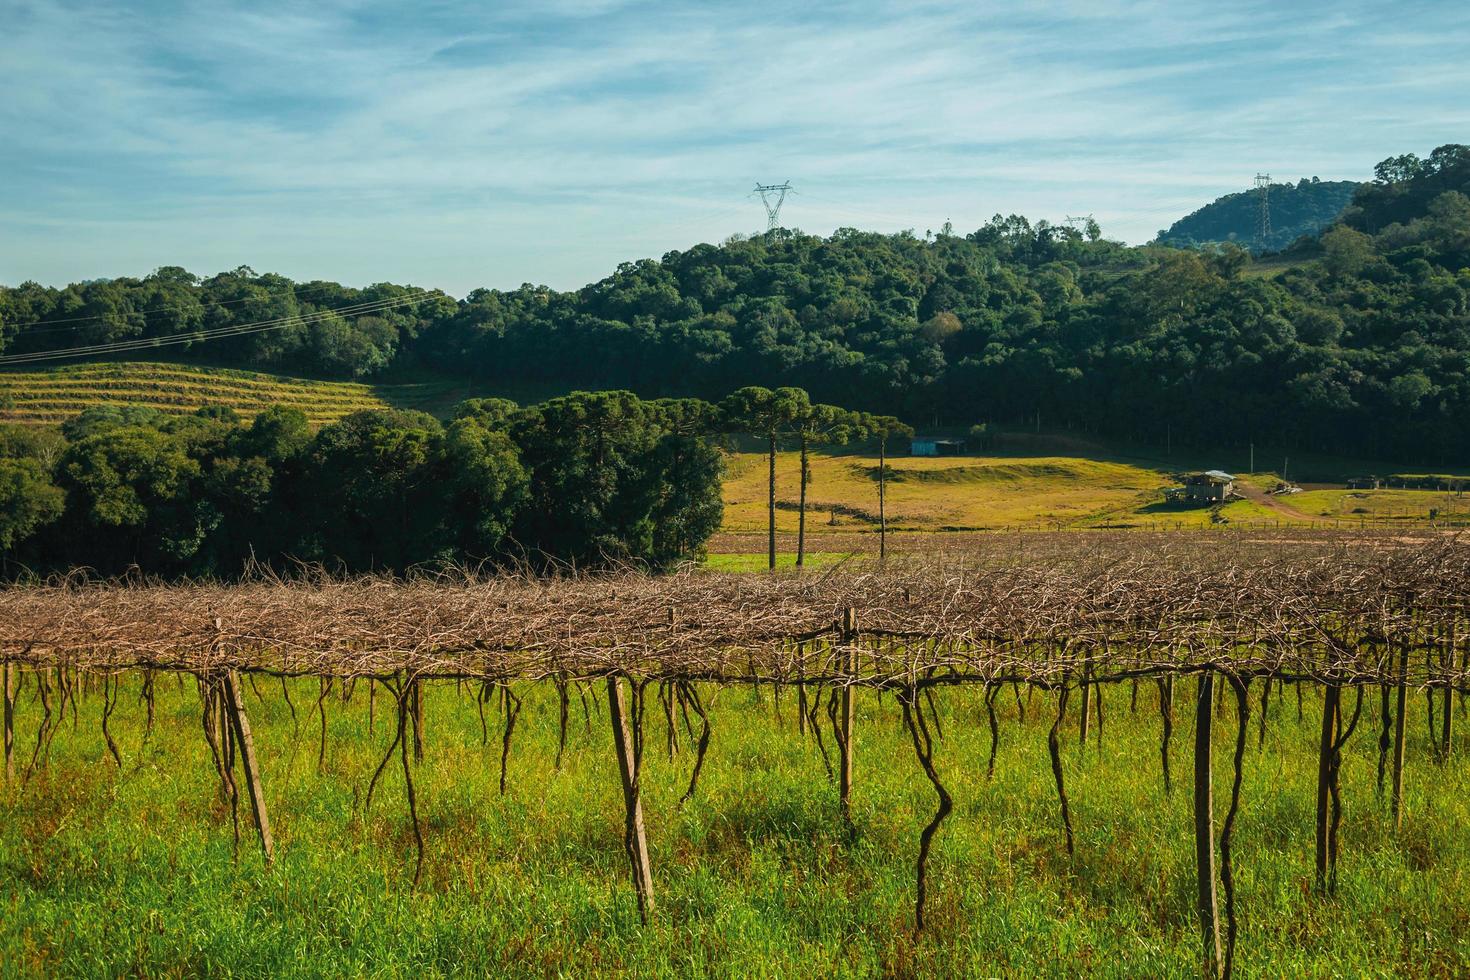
(1347,251)
(770,415)
(486,486)
(28,502)
(132,499)
(941,326)
(255,481)
(882,428)
(691,506)
(615,478)
(377,483)
(818,425)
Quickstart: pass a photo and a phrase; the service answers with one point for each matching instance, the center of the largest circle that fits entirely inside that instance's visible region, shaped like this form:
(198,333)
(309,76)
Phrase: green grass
(1383,504)
(105,872)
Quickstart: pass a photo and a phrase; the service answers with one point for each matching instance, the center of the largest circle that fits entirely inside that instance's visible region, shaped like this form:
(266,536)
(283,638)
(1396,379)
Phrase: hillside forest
(1303,208)
(1355,340)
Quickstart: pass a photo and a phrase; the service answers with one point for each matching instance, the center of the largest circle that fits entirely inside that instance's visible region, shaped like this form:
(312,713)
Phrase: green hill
(1356,345)
(1303,208)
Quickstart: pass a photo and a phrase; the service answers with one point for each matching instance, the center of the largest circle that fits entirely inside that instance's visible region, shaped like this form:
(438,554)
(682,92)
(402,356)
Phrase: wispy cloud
(454,146)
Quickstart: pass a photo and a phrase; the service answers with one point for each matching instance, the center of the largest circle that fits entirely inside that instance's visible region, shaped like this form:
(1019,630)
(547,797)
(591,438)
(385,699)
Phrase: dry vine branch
(1333,611)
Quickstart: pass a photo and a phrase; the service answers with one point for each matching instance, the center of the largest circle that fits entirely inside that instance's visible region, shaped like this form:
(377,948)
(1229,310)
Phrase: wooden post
(635,840)
(845,746)
(235,703)
(1330,698)
(418,719)
(1398,737)
(1447,713)
(1086,703)
(1204,824)
(9,721)
(801,508)
(882,483)
(771,506)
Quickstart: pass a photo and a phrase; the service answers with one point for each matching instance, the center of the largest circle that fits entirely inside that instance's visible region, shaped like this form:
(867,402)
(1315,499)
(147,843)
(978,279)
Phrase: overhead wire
(54,325)
(217,333)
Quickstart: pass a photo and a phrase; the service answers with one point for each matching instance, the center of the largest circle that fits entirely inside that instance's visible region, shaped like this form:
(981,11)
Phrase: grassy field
(106,871)
(1088,486)
(1383,504)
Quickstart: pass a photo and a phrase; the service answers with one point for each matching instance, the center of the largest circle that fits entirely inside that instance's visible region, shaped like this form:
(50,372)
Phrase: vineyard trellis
(1058,615)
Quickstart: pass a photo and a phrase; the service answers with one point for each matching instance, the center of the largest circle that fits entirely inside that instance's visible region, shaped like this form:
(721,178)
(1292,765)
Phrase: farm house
(928,446)
(1207,487)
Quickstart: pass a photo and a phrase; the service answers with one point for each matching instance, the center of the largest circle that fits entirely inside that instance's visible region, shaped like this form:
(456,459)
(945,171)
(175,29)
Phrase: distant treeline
(1303,208)
(587,479)
(1362,346)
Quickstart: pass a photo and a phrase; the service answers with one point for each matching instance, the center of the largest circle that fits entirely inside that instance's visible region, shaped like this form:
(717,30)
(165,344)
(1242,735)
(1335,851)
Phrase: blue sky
(455,144)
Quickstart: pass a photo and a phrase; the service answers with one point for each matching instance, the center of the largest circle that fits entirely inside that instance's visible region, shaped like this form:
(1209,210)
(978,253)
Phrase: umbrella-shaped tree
(769,415)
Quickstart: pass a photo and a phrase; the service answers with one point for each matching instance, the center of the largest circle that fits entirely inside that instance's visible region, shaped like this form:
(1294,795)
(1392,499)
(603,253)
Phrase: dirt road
(1278,505)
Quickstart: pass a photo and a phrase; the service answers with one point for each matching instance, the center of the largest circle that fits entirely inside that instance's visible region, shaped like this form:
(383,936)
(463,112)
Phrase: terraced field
(53,395)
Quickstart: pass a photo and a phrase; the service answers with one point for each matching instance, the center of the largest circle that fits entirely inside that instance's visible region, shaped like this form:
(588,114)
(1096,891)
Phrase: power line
(217,333)
(773,211)
(51,325)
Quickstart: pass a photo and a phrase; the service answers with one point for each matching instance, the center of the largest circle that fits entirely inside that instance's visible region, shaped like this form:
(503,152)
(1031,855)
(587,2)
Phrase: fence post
(235,704)
(417,705)
(1204,823)
(848,639)
(1398,736)
(635,839)
(1447,706)
(1331,696)
(9,721)
(1086,698)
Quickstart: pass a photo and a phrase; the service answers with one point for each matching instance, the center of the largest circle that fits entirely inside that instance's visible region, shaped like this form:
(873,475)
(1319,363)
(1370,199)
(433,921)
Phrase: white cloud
(341,139)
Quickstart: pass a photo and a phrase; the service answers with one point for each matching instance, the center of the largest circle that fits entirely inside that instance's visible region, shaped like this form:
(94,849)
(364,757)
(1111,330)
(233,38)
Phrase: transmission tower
(773,211)
(1081,223)
(1263,209)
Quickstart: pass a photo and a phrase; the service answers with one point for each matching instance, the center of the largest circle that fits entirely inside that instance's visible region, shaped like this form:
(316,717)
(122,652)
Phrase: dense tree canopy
(584,479)
(1362,345)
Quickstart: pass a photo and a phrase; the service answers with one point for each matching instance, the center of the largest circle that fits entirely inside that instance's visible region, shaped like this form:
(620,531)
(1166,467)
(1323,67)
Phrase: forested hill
(1303,208)
(1363,347)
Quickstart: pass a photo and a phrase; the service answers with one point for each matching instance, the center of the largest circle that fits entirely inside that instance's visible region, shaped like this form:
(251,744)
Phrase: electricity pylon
(773,211)
(1263,209)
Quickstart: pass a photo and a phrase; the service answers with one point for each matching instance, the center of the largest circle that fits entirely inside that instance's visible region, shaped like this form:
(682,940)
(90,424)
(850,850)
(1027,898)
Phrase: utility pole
(1253,458)
(773,211)
(1263,209)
